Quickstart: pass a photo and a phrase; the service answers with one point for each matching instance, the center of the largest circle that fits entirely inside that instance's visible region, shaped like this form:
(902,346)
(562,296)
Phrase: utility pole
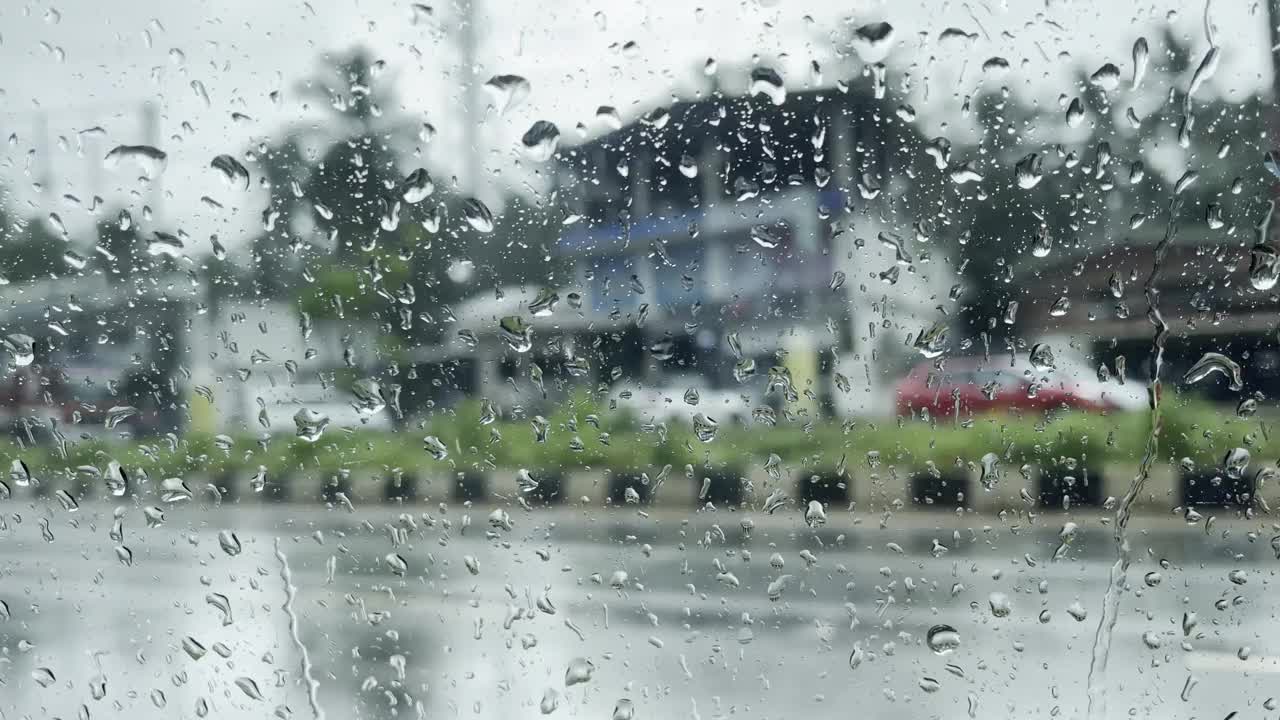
(44,158)
(473,102)
(1273,32)
(1271,123)
(151,133)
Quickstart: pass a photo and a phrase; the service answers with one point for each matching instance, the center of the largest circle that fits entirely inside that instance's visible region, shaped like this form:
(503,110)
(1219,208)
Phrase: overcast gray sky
(84,63)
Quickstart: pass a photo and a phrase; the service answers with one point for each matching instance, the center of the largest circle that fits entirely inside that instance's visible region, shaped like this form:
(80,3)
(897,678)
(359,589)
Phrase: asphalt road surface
(426,612)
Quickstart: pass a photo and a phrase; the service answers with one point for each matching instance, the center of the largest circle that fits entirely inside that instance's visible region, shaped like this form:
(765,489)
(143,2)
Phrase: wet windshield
(762,359)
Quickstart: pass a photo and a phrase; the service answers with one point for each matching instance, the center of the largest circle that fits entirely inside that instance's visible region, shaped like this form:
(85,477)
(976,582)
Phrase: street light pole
(473,104)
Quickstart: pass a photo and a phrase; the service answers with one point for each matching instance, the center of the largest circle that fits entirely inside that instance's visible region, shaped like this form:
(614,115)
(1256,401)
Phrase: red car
(985,386)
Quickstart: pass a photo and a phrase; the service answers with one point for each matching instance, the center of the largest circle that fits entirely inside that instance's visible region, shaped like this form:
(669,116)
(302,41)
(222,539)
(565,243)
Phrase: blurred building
(254,365)
(1096,296)
(97,343)
(717,233)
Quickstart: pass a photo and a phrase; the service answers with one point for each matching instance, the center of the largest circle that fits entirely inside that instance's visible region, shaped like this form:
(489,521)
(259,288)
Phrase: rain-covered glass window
(768,359)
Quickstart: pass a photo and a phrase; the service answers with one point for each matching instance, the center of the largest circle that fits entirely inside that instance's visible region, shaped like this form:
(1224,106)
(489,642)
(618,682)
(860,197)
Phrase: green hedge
(1201,432)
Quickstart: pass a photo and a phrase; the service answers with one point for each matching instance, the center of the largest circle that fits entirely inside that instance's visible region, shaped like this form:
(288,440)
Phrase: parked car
(281,403)
(979,385)
(678,398)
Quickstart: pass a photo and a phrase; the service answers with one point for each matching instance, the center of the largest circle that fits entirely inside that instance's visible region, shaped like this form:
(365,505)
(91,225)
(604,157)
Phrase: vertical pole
(467,14)
(151,135)
(44,160)
(1273,32)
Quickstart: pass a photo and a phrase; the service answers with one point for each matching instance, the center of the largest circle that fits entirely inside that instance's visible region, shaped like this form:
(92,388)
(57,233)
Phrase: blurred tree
(224,280)
(29,249)
(518,252)
(277,271)
(1040,176)
(354,186)
(122,242)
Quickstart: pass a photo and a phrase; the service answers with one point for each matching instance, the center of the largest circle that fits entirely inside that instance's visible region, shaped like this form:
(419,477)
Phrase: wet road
(424,612)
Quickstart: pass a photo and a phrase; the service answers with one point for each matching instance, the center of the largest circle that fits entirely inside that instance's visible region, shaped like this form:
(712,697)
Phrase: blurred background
(646,283)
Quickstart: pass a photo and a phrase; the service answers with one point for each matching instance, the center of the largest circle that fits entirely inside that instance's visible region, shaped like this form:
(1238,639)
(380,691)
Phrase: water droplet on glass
(873,41)
(1077,611)
(229,543)
(1075,113)
(765,236)
(1189,622)
(965,173)
(1106,77)
(957,37)
(766,81)
(66,500)
(233,172)
(367,394)
(943,639)
(995,66)
(624,710)
(435,448)
(415,188)
(932,342)
(194,649)
(1246,407)
(1041,357)
(688,166)
(310,424)
(550,701)
(1271,161)
(1000,604)
(507,91)
(222,604)
(1186,180)
(43,676)
(705,428)
(165,244)
(578,671)
(540,140)
(477,215)
(1215,363)
(19,473)
(544,303)
(516,333)
(396,564)
(856,656)
(608,116)
(1264,263)
(989,476)
(74,260)
(1141,56)
(151,160)
(1042,243)
(21,348)
(249,688)
(815,514)
(174,490)
(1029,171)
(117,480)
(1235,462)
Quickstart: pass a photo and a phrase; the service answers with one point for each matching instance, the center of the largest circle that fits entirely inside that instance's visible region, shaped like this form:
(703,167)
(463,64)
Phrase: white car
(679,399)
(1077,371)
(283,402)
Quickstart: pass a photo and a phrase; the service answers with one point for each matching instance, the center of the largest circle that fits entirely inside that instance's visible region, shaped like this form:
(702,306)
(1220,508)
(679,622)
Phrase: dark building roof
(761,147)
